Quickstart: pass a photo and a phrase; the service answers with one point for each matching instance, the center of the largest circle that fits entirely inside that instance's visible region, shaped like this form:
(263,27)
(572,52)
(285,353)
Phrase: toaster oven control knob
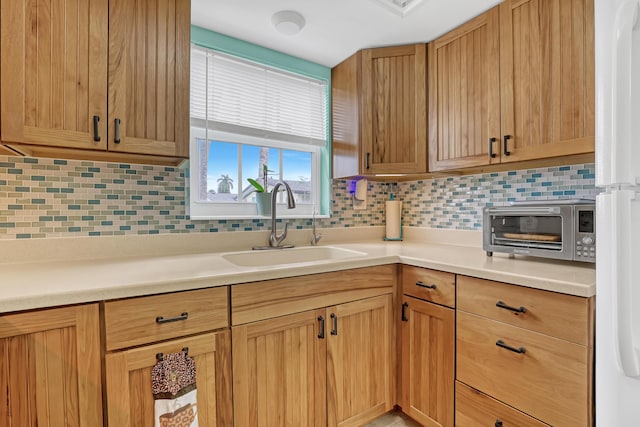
(587,240)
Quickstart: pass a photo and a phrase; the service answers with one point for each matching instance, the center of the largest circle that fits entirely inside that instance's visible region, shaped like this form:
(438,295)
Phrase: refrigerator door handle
(628,350)
(626,22)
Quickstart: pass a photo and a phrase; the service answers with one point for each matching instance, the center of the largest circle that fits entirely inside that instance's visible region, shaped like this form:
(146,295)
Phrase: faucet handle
(280,237)
(315,238)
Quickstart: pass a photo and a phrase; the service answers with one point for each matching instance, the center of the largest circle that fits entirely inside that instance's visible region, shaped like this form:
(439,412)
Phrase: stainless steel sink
(289,256)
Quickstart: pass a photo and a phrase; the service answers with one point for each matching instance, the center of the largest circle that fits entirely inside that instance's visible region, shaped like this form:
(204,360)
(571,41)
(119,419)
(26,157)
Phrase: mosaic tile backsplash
(42,198)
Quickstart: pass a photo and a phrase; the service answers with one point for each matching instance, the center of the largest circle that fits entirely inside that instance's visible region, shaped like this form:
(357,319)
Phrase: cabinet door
(50,369)
(279,371)
(427,362)
(128,378)
(464,95)
(54,72)
(547,77)
(149,53)
(394,110)
(345,117)
(359,361)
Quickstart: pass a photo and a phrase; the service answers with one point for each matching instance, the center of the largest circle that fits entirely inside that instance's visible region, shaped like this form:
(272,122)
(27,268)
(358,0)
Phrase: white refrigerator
(617,379)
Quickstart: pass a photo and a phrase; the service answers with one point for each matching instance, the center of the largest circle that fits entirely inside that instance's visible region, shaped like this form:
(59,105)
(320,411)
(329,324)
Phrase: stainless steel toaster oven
(563,229)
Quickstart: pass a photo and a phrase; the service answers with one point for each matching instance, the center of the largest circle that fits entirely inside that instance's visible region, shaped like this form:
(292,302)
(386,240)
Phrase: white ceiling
(334,29)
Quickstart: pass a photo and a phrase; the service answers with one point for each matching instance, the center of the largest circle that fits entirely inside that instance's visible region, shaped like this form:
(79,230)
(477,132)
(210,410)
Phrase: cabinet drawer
(419,282)
(474,408)
(549,380)
(144,320)
(559,315)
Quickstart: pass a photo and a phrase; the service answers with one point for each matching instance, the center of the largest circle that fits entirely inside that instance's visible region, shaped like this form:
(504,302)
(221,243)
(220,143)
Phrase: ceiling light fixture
(288,22)
(399,7)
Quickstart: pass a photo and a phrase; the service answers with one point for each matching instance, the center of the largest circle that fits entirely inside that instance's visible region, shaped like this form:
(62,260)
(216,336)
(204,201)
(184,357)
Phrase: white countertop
(53,282)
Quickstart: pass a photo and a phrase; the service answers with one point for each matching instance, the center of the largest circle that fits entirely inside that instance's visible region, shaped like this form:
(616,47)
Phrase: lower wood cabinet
(137,329)
(50,369)
(426,346)
(427,362)
(526,348)
(359,361)
(516,356)
(330,366)
(128,380)
(279,371)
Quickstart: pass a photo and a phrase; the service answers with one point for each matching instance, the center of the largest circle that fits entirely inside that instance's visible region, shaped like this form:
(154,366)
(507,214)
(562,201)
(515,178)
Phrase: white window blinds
(233,95)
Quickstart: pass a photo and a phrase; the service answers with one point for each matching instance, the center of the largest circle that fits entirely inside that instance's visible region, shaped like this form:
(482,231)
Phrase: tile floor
(393,419)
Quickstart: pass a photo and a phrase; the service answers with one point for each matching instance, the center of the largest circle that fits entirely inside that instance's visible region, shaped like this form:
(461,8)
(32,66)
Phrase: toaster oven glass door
(528,230)
(532,230)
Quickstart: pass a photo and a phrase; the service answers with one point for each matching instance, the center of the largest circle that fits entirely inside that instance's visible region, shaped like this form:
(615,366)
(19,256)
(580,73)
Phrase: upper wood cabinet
(464,95)
(62,62)
(149,53)
(50,372)
(53,62)
(379,112)
(547,78)
(516,83)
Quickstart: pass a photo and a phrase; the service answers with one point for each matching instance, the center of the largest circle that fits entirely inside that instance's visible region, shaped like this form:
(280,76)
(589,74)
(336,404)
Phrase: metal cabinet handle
(404,313)
(501,304)
(96,131)
(498,423)
(506,149)
(519,350)
(116,132)
(334,330)
(183,316)
(491,153)
(367,161)
(424,285)
(321,334)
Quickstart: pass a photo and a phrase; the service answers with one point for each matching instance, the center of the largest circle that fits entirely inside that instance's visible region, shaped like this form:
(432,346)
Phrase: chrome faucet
(315,237)
(276,238)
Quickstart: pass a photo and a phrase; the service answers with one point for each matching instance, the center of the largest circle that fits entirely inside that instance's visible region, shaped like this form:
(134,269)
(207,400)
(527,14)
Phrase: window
(244,117)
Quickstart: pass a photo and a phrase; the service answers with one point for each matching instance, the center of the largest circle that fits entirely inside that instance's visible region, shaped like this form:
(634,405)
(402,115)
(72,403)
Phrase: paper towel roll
(393,219)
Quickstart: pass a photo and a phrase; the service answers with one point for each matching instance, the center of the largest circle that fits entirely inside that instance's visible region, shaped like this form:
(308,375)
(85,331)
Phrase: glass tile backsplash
(42,198)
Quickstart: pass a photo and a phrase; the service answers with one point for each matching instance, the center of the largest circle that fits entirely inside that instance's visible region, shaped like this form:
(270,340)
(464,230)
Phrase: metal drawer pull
(183,316)
(404,313)
(321,334)
(160,356)
(506,148)
(96,131)
(491,153)
(520,350)
(424,285)
(334,331)
(498,423)
(500,304)
(116,131)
